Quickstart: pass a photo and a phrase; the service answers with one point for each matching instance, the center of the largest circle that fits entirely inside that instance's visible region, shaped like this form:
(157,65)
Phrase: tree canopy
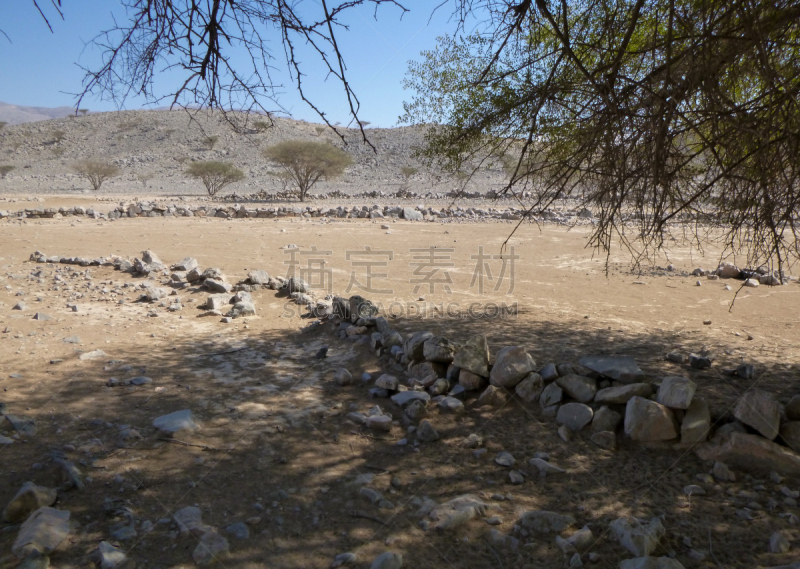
(306,162)
(651,111)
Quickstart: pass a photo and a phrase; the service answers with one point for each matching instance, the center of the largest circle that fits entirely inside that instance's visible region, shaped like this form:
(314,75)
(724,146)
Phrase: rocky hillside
(18,114)
(153,147)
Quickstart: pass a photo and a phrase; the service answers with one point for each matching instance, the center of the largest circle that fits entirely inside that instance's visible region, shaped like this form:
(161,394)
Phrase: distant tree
(210,141)
(307,162)
(144,177)
(58,135)
(95,171)
(319,130)
(83,111)
(364,124)
(2,124)
(261,126)
(169,132)
(408,171)
(214,175)
(5,169)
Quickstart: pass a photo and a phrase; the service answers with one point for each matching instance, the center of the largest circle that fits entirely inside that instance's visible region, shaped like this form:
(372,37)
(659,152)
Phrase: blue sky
(39,68)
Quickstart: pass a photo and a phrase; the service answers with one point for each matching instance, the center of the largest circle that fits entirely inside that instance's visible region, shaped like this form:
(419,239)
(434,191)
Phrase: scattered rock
(619,368)
(342,377)
(212,548)
(778,543)
(426,433)
(382,423)
(790,434)
(580,388)
(493,397)
(458,511)
(530,388)
(574,416)
(43,531)
(511,366)
(551,395)
(676,392)
(605,420)
(750,452)
(344,559)
(27,500)
(93,355)
(621,394)
(760,410)
(699,361)
(544,467)
(439,349)
(505,459)
(605,439)
(389,559)
(696,424)
(651,563)
(543,521)
(473,356)
(182,420)
(109,557)
(636,537)
(647,420)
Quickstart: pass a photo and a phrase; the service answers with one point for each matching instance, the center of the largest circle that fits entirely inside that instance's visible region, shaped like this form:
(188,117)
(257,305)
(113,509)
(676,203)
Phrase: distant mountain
(17,114)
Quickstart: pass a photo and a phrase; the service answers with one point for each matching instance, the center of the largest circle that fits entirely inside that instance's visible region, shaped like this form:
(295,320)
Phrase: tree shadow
(277,451)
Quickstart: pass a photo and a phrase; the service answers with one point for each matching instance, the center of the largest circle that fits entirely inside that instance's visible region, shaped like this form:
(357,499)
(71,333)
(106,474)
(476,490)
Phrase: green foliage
(305,162)
(210,141)
(319,130)
(653,112)
(5,169)
(214,175)
(95,171)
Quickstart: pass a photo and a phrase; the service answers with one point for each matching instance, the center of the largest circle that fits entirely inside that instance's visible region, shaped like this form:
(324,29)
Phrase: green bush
(210,141)
(5,169)
(214,175)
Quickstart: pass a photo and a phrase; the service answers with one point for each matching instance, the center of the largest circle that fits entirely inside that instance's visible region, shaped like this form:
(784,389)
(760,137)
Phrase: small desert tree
(2,124)
(214,175)
(307,162)
(144,177)
(58,135)
(261,126)
(83,111)
(319,130)
(95,171)
(4,170)
(408,171)
(210,141)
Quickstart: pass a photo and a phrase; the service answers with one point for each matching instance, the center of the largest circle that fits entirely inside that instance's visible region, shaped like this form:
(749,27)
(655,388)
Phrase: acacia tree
(95,171)
(215,175)
(655,112)
(306,162)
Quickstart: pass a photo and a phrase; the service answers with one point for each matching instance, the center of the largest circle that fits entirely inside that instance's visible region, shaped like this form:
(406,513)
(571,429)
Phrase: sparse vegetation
(2,124)
(4,170)
(95,171)
(58,151)
(83,111)
(364,124)
(210,141)
(169,132)
(408,171)
(308,162)
(144,177)
(128,125)
(214,175)
(319,130)
(261,126)
(58,135)
(181,159)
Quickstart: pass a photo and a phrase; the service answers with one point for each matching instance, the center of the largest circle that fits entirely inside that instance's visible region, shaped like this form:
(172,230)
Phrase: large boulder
(676,392)
(619,368)
(647,420)
(579,387)
(412,214)
(361,307)
(258,277)
(186,264)
(728,271)
(182,420)
(696,423)
(415,345)
(574,415)
(473,356)
(439,349)
(760,410)
(530,388)
(511,366)
(621,394)
(605,420)
(750,452)
(470,381)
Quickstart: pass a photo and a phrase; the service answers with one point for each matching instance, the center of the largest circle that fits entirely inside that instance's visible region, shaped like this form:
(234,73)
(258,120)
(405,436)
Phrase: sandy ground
(275,443)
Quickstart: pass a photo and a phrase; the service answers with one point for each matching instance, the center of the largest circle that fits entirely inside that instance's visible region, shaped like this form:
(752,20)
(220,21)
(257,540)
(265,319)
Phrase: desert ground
(280,466)
(276,452)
